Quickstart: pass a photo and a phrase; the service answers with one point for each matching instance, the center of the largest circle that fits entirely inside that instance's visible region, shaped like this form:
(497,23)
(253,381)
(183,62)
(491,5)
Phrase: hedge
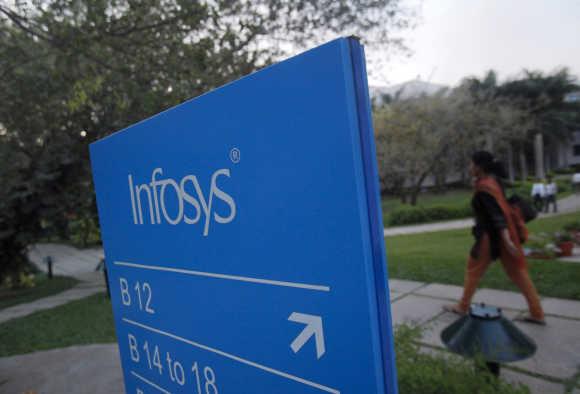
(416,215)
(413,215)
(525,188)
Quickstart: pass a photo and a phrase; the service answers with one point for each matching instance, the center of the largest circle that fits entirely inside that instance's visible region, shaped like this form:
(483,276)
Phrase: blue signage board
(243,236)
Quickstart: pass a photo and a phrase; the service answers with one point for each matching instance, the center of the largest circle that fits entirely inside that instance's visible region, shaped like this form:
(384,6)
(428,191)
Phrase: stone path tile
(558,353)
(395,296)
(92,369)
(413,309)
(404,286)
(536,385)
(441,291)
(501,298)
(432,330)
(562,307)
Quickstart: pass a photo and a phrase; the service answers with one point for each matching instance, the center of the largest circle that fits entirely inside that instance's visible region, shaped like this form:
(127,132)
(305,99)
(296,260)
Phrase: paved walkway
(67,260)
(565,205)
(82,290)
(91,369)
(575,258)
(95,369)
(70,261)
(557,360)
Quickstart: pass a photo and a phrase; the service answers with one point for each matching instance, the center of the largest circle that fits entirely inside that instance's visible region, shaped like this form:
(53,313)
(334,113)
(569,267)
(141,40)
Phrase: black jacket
(489,218)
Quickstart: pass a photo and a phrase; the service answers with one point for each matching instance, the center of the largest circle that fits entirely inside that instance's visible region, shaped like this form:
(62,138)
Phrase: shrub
(84,232)
(413,215)
(541,246)
(425,373)
(564,185)
(562,237)
(565,171)
(572,226)
(524,189)
(23,280)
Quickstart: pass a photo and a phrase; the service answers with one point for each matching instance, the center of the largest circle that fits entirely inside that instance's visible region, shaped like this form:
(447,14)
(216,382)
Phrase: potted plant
(565,243)
(540,247)
(574,229)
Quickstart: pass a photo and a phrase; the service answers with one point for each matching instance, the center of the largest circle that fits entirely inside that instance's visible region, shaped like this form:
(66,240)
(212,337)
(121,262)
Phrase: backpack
(521,213)
(516,209)
(527,211)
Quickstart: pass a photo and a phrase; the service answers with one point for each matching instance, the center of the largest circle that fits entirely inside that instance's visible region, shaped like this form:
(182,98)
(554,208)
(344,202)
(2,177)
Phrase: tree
(436,135)
(542,97)
(73,71)
(505,124)
(412,136)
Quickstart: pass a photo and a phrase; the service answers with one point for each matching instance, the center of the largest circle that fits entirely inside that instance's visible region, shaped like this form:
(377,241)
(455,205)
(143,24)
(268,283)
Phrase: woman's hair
(489,164)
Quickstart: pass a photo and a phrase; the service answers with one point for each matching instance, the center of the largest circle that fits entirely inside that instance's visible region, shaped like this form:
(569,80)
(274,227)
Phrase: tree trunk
(523,164)
(417,188)
(510,163)
(440,181)
(414,195)
(539,155)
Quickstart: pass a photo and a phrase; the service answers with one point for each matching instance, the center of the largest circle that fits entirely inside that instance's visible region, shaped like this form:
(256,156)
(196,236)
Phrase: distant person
(576,182)
(538,194)
(551,194)
(496,236)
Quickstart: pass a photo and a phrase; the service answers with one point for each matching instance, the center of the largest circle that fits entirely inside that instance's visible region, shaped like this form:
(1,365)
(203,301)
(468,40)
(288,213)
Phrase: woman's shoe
(454,308)
(529,319)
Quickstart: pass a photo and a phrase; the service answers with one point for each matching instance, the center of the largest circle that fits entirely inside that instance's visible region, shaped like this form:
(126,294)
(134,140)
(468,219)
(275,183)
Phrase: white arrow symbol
(313,327)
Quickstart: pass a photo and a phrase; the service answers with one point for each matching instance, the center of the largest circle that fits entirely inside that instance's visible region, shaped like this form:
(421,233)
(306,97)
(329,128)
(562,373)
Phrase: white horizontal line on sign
(150,383)
(233,357)
(304,286)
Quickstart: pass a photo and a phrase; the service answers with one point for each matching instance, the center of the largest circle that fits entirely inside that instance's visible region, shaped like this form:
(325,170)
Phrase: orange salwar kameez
(515,266)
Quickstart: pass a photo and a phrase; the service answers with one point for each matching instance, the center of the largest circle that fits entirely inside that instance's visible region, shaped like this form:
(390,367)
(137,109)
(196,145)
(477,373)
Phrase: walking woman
(496,236)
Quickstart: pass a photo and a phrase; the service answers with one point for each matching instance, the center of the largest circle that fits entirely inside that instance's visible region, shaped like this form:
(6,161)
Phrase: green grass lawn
(89,320)
(441,257)
(44,287)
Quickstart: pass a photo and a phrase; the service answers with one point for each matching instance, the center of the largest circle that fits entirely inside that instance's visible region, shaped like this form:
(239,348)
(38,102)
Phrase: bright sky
(458,38)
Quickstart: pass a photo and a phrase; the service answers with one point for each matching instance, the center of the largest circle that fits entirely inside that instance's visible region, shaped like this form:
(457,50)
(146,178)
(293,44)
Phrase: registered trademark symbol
(235,155)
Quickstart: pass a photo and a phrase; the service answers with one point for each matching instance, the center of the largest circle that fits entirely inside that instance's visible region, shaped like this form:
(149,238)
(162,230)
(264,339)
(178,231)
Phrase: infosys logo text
(150,201)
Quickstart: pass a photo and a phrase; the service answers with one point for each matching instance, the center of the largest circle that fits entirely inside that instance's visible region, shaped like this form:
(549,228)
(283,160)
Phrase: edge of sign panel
(375,219)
